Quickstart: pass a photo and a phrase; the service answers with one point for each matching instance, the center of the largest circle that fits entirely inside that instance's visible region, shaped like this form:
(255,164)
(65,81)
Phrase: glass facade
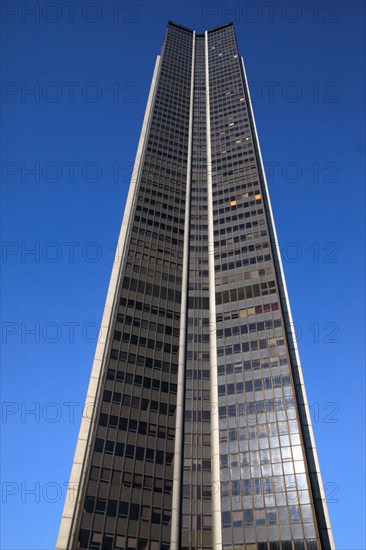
(265,492)
(200,277)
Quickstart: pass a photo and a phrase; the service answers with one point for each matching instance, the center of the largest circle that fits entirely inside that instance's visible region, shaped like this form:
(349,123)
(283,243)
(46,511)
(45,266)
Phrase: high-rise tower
(198,434)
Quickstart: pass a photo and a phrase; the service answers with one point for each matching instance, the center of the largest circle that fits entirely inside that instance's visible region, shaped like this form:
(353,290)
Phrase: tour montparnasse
(200,435)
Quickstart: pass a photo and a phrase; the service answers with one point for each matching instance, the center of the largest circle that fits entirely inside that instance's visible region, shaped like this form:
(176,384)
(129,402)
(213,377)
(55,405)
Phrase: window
(134,511)
(100,506)
(89,504)
(226,519)
(123,509)
(112,508)
(156,515)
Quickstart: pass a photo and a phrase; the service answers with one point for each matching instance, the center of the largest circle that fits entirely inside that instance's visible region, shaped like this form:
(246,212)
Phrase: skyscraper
(197,433)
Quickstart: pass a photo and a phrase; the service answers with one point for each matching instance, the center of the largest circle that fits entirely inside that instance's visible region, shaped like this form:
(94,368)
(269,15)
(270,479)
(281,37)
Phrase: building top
(174,24)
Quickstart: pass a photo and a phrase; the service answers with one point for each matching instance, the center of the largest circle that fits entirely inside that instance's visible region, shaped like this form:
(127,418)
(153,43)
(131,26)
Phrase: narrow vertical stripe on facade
(215,440)
(179,423)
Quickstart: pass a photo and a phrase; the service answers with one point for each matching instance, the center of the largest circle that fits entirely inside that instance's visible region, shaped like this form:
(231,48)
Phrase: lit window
(258,196)
(233,203)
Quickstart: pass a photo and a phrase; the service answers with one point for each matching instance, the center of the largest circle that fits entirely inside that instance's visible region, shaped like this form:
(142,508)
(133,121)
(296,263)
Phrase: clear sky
(67,152)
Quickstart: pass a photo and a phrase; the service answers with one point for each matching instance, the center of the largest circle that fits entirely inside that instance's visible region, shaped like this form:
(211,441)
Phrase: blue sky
(67,152)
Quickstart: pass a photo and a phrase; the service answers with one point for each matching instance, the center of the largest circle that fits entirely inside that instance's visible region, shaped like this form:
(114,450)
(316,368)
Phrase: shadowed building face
(200,436)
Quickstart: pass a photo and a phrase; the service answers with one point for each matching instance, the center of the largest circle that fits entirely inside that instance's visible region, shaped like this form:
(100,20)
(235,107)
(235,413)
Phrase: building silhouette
(198,434)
